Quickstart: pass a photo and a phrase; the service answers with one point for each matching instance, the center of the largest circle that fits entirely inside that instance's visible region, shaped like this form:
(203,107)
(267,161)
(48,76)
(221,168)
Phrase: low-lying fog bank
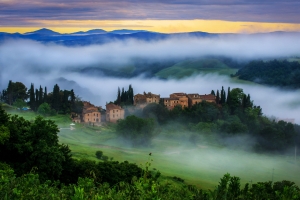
(41,64)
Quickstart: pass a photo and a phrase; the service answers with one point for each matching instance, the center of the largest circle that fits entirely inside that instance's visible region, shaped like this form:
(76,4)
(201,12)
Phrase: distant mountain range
(99,36)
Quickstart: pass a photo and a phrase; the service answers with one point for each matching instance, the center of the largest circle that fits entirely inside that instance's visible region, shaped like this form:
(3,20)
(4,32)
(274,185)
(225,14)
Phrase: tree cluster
(234,114)
(57,101)
(137,130)
(125,97)
(274,72)
(33,147)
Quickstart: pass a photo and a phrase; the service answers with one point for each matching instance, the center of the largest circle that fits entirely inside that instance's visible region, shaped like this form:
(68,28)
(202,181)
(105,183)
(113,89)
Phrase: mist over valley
(187,63)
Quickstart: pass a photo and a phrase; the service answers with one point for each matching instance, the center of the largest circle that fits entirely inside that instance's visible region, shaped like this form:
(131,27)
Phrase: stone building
(176,99)
(141,100)
(114,113)
(196,98)
(208,98)
(90,113)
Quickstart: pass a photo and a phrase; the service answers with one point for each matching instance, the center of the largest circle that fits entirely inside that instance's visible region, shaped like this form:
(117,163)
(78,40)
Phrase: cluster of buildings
(175,99)
(94,115)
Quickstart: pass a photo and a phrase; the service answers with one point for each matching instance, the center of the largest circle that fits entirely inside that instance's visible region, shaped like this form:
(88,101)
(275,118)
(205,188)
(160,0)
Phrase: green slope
(195,66)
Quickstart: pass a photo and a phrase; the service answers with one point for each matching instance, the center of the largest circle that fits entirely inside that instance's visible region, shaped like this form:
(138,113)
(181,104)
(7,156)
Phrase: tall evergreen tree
(213,92)
(218,97)
(118,97)
(228,96)
(36,99)
(56,98)
(41,95)
(223,95)
(72,101)
(10,93)
(32,97)
(45,95)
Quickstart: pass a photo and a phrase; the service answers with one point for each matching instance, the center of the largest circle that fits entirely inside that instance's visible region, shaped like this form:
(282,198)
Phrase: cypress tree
(72,101)
(10,93)
(119,96)
(32,97)
(213,92)
(218,97)
(56,98)
(36,99)
(45,95)
(222,95)
(228,96)
(41,94)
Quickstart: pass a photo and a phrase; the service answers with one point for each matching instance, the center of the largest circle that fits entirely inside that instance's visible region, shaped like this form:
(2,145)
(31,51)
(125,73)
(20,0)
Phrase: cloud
(42,64)
(26,12)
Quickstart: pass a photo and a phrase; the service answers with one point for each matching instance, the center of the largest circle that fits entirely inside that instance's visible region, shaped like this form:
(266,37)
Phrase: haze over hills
(99,36)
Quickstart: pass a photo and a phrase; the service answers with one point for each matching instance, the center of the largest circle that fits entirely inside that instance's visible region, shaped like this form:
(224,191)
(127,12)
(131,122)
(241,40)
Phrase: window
(113,116)
(113,111)
(88,114)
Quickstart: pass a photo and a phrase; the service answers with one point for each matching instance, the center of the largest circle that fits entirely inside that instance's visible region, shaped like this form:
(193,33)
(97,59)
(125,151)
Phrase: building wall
(93,117)
(114,115)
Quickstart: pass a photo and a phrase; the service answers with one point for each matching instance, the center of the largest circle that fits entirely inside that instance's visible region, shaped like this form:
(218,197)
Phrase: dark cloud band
(16,13)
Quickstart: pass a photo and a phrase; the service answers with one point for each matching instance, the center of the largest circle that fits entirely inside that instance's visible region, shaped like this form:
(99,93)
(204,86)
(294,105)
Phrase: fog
(43,64)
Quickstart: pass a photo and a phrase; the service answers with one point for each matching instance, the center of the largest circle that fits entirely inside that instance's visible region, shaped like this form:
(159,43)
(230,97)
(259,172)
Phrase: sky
(215,16)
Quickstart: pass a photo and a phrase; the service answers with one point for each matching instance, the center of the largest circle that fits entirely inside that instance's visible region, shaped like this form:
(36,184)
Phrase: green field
(202,164)
(195,66)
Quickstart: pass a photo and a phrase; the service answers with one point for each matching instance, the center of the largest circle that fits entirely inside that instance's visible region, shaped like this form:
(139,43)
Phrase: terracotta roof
(208,97)
(112,106)
(89,111)
(194,96)
(180,94)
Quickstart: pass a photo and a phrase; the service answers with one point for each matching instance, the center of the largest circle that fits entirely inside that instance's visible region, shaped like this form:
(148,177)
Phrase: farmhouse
(114,113)
(141,100)
(90,113)
(176,99)
(196,98)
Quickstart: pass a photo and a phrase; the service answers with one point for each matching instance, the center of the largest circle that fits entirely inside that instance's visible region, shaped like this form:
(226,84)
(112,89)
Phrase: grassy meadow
(202,164)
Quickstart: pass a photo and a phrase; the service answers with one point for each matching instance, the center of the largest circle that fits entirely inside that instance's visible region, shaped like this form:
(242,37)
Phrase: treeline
(33,165)
(124,97)
(275,73)
(38,99)
(233,115)
(32,146)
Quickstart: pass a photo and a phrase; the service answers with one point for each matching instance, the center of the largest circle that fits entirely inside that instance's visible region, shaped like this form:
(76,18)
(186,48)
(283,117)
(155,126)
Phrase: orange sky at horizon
(163,26)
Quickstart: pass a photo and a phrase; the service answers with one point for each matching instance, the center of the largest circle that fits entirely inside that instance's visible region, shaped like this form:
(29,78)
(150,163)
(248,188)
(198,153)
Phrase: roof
(208,97)
(112,106)
(148,95)
(90,111)
(194,96)
(180,94)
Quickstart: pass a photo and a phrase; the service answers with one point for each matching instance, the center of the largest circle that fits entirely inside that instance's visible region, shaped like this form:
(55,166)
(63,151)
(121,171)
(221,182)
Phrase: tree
(41,95)
(15,91)
(218,97)
(45,95)
(44,109)
(56,98)
(139,131)
(213,92)
(32,102)
(33,145)
(99,154)
(36,99)
(19,103)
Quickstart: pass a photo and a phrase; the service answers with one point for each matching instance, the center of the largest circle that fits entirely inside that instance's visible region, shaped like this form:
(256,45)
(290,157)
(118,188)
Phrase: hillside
(195,66)
(282,73)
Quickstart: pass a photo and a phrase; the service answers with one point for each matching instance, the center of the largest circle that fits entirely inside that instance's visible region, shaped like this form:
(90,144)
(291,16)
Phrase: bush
(99,154)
